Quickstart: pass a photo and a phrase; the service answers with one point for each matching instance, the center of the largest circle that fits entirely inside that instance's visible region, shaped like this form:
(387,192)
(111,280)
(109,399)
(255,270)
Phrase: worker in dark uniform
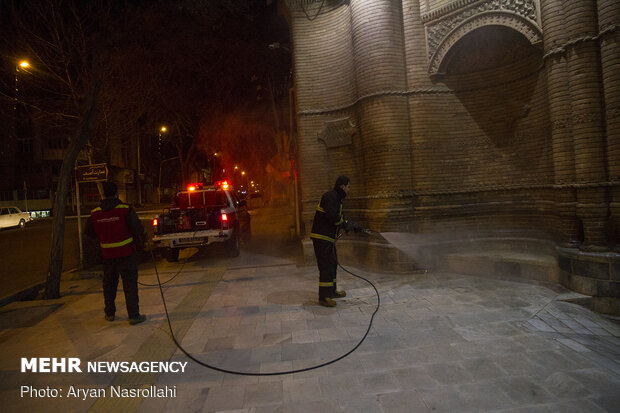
(328,220)
(120,233)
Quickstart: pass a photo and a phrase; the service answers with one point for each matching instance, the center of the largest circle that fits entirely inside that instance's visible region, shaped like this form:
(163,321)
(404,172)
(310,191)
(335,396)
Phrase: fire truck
(202,215)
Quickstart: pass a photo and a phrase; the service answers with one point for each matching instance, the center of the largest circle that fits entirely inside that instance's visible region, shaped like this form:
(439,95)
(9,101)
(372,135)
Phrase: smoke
(456,251)
(420,248)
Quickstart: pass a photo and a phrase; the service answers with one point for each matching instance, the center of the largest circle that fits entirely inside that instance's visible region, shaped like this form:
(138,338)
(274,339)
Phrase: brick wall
(325,84)
(486,142)
(500,136)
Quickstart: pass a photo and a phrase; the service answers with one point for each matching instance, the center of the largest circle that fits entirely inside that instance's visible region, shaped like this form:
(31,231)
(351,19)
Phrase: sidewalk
(440,342)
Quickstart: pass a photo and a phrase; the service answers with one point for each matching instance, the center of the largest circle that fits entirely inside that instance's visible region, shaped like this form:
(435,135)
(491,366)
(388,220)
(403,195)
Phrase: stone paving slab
(440,342)
(455,350)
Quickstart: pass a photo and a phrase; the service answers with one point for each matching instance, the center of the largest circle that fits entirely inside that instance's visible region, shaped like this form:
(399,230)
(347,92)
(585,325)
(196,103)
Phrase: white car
(13,217)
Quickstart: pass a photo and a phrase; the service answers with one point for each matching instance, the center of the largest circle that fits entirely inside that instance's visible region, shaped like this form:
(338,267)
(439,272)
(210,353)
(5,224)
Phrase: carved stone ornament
(444,31)
(337,132)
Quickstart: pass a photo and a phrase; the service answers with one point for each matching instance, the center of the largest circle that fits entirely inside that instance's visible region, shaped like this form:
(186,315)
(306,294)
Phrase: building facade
(467,116)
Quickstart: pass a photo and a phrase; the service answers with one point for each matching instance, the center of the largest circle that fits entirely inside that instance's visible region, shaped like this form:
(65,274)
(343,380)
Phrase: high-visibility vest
(112,232)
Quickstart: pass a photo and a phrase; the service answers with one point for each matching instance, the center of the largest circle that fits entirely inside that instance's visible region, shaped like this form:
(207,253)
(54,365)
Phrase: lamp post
(23,65)
(162,129)
(139,177)
(246,182)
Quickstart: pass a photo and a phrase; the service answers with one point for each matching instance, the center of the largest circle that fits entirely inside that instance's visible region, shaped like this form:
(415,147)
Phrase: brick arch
(526,27)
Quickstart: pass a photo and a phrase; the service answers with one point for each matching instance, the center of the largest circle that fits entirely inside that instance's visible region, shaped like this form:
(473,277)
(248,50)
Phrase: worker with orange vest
(120,233)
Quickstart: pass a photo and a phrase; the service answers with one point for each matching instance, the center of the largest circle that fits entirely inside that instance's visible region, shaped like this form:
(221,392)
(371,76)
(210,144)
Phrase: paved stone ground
(440,342)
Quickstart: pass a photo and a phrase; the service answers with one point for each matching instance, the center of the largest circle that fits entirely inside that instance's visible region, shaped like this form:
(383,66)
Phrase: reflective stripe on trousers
(325,253)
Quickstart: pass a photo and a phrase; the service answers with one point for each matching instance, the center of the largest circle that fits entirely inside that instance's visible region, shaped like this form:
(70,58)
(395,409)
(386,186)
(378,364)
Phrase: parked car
(13,217)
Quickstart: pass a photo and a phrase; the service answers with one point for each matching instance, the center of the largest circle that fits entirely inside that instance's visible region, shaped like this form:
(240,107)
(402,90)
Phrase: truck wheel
(172,255)
(233,246)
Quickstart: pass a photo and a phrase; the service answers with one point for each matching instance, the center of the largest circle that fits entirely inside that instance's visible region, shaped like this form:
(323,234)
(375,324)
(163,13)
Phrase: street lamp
(23,65)
(162,129)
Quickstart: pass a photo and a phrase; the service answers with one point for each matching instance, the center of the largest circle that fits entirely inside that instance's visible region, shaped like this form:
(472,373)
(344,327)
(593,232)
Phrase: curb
(23,294)
(31,291)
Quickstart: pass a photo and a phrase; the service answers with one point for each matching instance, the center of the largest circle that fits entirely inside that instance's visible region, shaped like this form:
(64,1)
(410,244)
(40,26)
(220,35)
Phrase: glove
(352,226)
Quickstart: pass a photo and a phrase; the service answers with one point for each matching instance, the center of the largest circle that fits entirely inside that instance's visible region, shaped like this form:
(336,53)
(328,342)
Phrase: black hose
(244,373)
(165,282)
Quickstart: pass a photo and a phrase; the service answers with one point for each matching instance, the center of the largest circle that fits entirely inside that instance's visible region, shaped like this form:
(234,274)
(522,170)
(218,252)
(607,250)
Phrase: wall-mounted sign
(92,173)
(293,3)
(337,132)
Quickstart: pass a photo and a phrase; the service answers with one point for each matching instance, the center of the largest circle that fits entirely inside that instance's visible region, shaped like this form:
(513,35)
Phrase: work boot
(339,294)
(140,318)
(327,302)
(109,317)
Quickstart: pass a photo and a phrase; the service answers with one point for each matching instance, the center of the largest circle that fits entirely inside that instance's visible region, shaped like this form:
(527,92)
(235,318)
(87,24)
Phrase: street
(24,253)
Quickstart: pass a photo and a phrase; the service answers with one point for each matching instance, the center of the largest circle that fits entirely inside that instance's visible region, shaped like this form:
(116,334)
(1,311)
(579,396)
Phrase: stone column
(552,16)
(384,123)
(586,109)
(608,22)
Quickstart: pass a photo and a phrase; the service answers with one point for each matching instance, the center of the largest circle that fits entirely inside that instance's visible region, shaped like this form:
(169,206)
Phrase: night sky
(203,67)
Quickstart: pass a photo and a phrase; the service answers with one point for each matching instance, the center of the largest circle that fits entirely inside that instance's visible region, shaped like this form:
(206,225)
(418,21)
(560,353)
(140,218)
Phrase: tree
(64,41)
